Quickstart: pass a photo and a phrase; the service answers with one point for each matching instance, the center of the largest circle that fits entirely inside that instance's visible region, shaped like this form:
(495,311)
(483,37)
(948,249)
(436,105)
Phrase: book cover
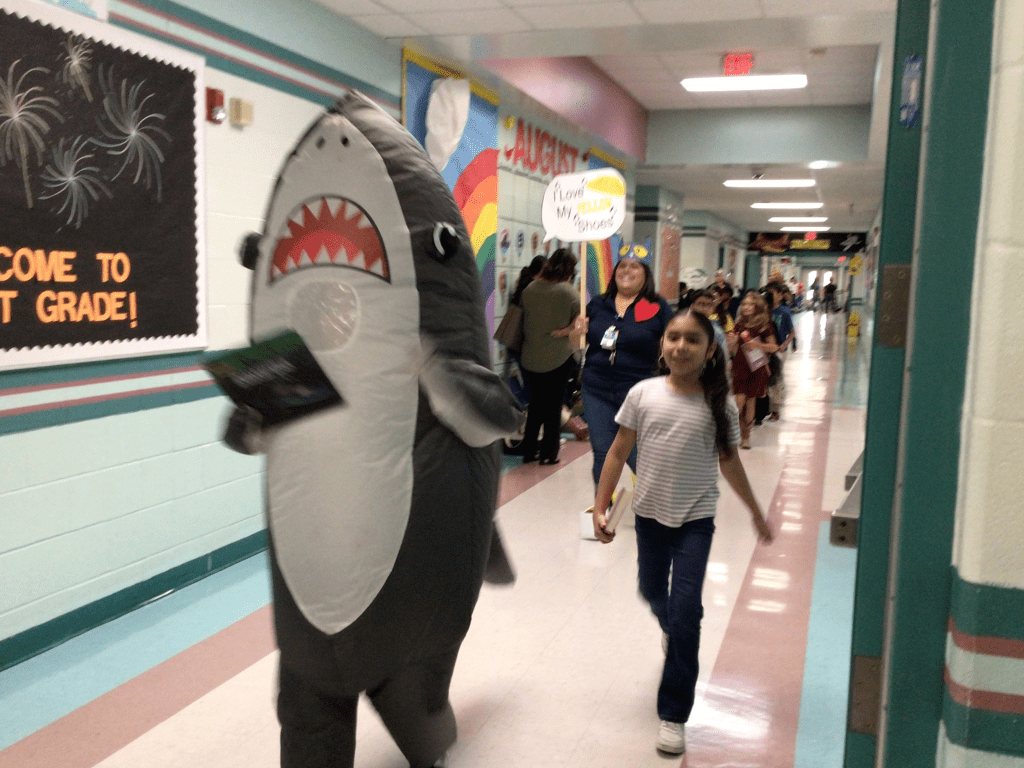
(623,501)
(278,377)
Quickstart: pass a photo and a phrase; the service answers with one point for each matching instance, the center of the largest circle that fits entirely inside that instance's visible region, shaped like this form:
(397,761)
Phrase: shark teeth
(337,230)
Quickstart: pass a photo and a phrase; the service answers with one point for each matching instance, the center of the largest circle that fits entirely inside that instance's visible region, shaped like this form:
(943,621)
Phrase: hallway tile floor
(558,671)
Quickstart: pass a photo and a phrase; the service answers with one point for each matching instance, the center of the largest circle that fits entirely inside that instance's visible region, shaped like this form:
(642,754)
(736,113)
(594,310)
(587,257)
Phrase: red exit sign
(738,63)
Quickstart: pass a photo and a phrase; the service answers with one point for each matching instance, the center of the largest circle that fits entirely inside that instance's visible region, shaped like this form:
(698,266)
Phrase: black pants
(547,394)
(761,409)
(318,729)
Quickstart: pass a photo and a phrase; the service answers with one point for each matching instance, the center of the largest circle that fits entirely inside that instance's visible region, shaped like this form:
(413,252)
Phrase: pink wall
(576,89)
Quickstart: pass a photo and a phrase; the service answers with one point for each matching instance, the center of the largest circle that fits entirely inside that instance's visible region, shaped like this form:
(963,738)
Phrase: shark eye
(344,141)
(320,142)
(249,253)
(445,241)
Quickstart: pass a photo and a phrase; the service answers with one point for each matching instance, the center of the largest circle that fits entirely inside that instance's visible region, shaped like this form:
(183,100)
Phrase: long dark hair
(714,382)
(527,276)
(648,291)
(560,266)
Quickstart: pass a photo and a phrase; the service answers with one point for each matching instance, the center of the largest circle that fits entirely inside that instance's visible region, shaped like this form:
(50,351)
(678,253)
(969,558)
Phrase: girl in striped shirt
(686,428)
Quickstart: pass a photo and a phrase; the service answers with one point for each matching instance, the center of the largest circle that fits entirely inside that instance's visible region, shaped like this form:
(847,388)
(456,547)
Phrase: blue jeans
(599,409)
(678,556)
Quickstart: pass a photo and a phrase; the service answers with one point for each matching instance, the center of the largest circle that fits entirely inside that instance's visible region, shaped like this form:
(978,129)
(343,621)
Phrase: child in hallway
(687,428)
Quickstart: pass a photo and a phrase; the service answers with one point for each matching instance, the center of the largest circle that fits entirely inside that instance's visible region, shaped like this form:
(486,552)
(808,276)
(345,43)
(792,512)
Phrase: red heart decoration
(644,310)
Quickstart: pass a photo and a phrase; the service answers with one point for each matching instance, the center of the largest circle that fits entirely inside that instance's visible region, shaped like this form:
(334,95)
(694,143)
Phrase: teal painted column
(896,246)
(954,161)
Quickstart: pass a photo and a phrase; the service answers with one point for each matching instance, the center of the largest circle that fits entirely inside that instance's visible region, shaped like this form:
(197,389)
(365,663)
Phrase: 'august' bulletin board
(101,205)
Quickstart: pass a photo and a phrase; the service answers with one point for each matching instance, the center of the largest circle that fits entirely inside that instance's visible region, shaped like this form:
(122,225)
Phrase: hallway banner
(101,238)
(828,242)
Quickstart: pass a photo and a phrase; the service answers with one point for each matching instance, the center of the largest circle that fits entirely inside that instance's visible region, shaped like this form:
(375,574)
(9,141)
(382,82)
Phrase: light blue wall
(759,136)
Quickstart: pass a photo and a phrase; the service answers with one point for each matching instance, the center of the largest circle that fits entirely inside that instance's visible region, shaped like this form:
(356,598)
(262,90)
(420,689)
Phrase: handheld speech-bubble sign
(584,206)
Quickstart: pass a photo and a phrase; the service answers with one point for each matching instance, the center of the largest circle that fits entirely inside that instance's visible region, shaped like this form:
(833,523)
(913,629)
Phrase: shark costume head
(380,510)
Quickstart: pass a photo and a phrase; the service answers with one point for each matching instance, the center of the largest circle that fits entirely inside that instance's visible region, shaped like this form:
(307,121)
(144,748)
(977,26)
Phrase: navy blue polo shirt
(637,347)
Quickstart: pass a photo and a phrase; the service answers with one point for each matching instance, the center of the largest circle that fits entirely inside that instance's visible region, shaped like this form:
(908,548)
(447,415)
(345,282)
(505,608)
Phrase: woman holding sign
(623,329)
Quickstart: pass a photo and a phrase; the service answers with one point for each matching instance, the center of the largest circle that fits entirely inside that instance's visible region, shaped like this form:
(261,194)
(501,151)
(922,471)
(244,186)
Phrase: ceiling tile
(629,63)
(350,7)
(421,6)
(388,25)
(695,11)
(548,3)
(470,22)
(769,100)
(791,8)
(575,15)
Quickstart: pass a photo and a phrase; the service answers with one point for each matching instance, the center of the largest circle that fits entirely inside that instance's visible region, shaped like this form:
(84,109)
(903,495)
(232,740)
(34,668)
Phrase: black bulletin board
(101,210)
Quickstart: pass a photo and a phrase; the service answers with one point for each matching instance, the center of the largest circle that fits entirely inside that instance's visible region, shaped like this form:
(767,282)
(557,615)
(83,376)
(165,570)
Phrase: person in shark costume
(380,510)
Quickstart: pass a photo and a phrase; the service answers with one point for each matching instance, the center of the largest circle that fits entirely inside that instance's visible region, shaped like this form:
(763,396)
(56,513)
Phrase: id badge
(610,335)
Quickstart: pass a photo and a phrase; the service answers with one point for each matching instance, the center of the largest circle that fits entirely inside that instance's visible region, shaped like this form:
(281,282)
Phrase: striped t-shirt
(677,460)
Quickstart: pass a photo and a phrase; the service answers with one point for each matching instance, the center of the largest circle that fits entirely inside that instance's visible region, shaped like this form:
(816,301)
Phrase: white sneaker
(671,738)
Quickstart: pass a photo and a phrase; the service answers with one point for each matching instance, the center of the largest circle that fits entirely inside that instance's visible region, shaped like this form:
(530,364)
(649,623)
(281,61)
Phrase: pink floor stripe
(94,732)
(97,730)
(522,479)
(763,687)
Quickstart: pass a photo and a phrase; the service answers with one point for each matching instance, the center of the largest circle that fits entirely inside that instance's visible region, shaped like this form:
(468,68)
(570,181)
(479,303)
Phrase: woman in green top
(549,307)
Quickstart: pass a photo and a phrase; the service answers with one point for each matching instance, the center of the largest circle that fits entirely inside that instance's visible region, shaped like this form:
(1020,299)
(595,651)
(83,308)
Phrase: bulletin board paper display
(101,188)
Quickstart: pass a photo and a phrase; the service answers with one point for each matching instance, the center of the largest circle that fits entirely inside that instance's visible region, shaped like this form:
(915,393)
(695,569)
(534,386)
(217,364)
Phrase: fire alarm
(215,112)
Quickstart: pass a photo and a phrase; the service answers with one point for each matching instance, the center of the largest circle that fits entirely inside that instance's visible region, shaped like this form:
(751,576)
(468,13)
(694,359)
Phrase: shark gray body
(381,510)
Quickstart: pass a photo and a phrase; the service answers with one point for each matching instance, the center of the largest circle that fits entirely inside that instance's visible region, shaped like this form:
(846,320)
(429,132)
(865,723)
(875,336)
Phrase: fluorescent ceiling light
(788,206)
(798,219)
(817,165)
(805,229)
(777,183)
(743,83)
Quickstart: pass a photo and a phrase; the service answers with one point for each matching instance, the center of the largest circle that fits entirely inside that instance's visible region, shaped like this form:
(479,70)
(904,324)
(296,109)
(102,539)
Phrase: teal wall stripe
(961,69)
(987,611)
(62,414)
(267,47)
(36,640)
(216,61)
(208,24)
(983,730)
(81,372)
